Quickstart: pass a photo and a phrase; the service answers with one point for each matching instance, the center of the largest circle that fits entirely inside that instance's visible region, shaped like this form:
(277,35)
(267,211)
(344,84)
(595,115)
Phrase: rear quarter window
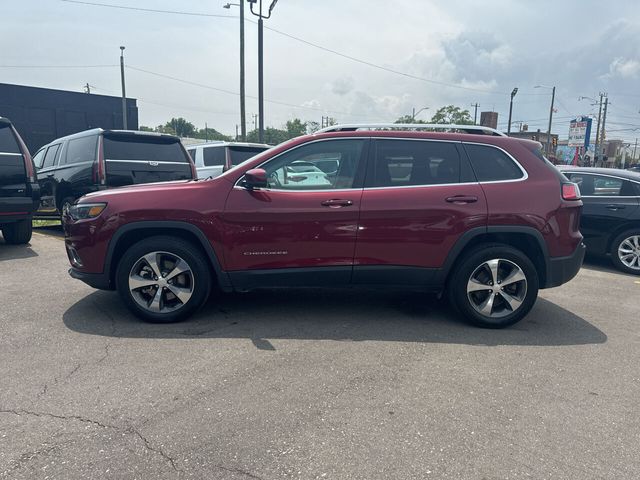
(492,164)
(138,148)
(79,150)
(8,143)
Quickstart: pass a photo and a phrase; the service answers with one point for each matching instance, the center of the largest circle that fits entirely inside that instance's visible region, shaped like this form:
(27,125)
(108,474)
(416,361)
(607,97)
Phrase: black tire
(200,280)
(475,263)
(615,257)
(18,233)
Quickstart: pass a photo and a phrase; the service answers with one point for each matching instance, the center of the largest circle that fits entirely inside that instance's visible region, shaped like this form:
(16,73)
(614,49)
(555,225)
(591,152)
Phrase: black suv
(85,162)
(19,190)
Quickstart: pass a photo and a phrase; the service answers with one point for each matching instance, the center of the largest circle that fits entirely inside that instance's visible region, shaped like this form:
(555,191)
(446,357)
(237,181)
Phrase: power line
(57,66)
(229,92)
(124,7)
(311,44)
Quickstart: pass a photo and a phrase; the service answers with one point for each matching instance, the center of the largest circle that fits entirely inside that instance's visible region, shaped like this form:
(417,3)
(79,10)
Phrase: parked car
(213,158)
(635,168)
(610,219)
(19,190)
(447,212)
(97,159)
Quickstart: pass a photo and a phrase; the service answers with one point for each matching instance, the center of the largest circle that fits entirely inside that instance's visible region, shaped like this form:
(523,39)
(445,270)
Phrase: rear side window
(409,162)
(491,164)
(81,150)
(213,156)
(603,186)
(8,143)
(143,148)
(50,156)
(38,158)
(192,154)
(240,154)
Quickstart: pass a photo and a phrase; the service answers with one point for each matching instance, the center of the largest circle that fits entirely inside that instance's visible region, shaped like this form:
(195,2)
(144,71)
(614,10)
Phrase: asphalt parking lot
(313,384)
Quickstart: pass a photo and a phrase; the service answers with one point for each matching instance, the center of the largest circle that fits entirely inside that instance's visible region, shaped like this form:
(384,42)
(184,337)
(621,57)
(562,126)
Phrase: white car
(213,158)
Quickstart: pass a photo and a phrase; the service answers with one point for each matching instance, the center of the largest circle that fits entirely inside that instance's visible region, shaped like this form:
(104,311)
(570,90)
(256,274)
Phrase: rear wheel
(19,232)
(494,286)
(625,252)
(163,279)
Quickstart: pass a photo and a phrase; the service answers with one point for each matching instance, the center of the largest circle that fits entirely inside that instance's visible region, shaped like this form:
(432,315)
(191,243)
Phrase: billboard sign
(579,132)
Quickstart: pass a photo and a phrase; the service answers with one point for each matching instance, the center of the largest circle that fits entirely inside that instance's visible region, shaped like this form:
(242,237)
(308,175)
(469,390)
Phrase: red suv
(468,211)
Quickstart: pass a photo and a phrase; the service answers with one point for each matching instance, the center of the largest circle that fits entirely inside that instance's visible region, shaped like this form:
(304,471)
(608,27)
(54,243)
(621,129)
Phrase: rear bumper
(15,208)
(95,280)
(563,269)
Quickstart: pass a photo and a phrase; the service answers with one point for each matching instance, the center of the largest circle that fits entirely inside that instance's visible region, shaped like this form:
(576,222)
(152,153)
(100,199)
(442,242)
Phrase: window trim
(489,182)
(364,153)
(571,172)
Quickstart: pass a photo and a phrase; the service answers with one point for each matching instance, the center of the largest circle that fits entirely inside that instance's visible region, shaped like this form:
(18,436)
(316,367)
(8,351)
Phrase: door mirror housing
(255,178)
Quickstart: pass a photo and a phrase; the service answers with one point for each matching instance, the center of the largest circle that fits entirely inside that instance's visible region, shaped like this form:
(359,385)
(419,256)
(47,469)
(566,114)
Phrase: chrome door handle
(614,207)
(336,203)
(460,199)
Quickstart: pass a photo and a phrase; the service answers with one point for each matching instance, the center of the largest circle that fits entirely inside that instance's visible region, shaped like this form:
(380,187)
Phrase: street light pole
(261,17)
(414,113)
(553,97)
(124,93)
(243,120)
(513,94)
(475,112)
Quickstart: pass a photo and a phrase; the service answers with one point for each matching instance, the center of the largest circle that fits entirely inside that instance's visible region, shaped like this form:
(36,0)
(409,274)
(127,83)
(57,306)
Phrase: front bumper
(95,280)
(562,269)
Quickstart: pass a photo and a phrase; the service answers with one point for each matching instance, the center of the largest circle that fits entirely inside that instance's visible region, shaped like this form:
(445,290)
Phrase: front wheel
(494,286)
(163,279)
(625,252)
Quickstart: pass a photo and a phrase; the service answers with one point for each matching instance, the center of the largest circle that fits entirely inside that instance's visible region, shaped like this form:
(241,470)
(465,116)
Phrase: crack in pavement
(130,429)
(106,354)
(153,449)
(240,471)
(26,457)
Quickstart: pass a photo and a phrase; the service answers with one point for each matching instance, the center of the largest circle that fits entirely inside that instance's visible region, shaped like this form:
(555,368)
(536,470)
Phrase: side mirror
(255,178)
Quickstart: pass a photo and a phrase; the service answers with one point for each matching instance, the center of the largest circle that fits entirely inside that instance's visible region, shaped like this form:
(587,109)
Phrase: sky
(370,61)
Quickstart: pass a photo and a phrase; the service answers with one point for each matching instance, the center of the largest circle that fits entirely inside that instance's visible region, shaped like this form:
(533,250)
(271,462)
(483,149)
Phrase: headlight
(83,211)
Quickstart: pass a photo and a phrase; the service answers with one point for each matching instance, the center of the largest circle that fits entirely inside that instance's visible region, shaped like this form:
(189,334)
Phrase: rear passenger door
(607,203)
(419,197)
(46,161)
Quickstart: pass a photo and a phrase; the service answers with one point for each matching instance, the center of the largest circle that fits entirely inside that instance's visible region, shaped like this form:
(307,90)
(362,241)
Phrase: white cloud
(624,68)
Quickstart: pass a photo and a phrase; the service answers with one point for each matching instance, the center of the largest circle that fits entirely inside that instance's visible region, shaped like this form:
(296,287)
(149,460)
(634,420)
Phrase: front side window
(399,163)
(50,156)
(492,164)
(324,165)
(81,149)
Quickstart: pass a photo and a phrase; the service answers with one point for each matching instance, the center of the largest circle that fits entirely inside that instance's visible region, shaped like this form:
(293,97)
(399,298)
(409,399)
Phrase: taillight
(570,191)
(28,163)
(99,176)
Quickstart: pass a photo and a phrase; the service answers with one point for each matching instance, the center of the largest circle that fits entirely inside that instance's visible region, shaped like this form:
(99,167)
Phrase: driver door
(302,228)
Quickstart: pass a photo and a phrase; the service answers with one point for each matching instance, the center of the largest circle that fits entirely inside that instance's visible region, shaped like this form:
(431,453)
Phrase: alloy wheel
(629,252)
(161,282)
(497,288)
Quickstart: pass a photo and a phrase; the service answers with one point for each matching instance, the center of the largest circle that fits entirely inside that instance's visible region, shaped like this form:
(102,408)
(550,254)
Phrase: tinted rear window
(157,149)
(492,164)
(240,154)
(410,162)
(213,156)
(79,150)
(8,143)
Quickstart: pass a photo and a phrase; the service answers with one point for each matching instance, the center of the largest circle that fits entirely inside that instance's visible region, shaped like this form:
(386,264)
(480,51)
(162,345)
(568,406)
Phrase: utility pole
(206,133)
(261,17)
(475,112)
(553,97)
(513,94)
(596,146)
(124,93)
(604,122)
(87,88)
(243,115)
(236,132)
(255,121)
(634,149)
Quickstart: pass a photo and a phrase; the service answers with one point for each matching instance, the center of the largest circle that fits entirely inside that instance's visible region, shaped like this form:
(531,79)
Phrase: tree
(179,126)
(211,134)
(408,119)
(144,128)
(296,127)
(452,114)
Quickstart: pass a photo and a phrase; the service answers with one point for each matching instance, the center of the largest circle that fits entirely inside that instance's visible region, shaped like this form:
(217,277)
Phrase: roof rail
(351,127)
